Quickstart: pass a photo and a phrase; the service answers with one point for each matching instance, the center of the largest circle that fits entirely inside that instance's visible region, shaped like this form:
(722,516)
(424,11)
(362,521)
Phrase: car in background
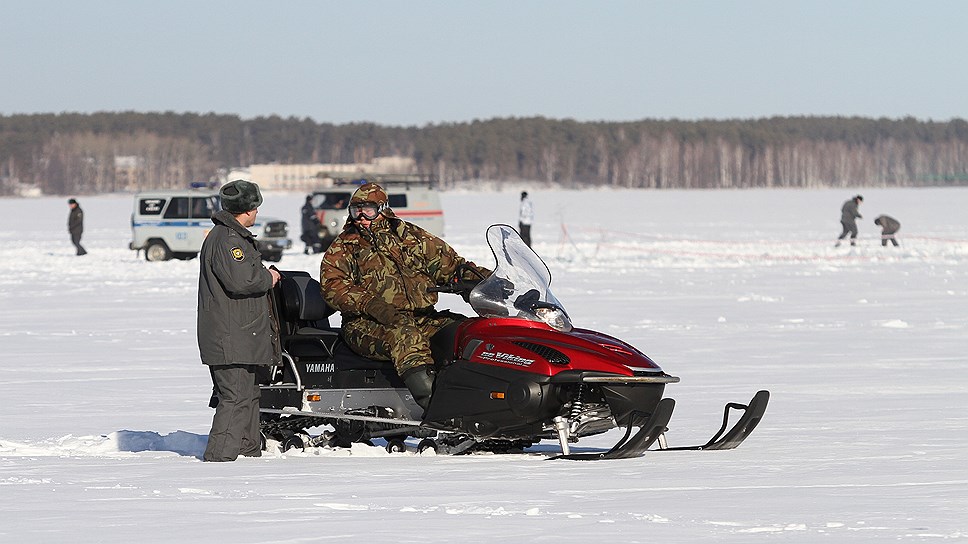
(173,223)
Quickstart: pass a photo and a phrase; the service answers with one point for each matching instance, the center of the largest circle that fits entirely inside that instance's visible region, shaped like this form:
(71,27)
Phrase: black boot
(420,382)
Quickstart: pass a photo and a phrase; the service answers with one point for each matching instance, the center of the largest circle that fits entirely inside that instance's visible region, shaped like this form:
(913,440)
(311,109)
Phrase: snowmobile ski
(637,444)
(727,440)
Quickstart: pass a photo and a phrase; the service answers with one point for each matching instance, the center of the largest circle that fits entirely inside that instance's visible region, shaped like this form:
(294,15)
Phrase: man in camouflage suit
(377,274)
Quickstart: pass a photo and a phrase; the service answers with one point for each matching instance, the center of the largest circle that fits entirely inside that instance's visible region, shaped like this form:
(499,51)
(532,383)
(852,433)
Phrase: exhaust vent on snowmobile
(553,356)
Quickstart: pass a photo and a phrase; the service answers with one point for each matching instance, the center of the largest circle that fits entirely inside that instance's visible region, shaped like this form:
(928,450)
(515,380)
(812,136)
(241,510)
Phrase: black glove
(384,313)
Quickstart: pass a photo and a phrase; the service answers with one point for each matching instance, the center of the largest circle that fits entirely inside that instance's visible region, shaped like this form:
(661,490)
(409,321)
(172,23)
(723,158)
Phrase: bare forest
(61,154)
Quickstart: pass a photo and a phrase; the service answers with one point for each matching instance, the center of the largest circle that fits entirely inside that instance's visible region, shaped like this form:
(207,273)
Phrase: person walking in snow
(525,218)
(889,226)
(237,334)
(75,225)
(848,219)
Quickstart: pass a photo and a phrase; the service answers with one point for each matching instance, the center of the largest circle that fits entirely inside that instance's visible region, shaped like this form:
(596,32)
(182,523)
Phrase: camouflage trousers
(408,345)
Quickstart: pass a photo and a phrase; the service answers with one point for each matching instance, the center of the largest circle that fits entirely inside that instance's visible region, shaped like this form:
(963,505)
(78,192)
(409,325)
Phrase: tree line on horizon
(73,153)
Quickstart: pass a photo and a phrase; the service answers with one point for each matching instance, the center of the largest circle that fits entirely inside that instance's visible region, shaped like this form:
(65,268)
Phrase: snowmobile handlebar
(461,286)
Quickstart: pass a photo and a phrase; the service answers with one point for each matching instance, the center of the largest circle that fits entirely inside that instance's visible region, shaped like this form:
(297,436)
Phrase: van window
(397,201)
(178,208)
(151,206)
(331,201)
(203,207)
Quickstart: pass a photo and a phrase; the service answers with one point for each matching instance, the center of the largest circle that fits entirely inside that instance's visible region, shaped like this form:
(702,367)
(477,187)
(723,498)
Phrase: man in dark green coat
(75,225)
(377,274)
(236,331)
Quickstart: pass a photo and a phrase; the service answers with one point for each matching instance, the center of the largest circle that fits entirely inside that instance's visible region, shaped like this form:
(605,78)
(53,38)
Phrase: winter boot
(420,382)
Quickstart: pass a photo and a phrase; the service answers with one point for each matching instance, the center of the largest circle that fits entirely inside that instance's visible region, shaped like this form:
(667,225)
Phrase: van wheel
(396,445)
(157,251)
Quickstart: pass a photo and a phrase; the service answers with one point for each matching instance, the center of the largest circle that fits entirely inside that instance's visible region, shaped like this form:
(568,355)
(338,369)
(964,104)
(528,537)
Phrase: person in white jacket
(525,217)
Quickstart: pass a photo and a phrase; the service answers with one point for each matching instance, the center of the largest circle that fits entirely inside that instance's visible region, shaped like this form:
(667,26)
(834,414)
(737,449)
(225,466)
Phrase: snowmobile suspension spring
(577,403)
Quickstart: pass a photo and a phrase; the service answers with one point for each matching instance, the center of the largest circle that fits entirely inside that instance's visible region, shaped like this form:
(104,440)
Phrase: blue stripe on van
(179,223)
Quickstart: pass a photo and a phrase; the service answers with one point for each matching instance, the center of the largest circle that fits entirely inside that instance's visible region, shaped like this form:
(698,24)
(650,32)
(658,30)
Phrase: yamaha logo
(489,347)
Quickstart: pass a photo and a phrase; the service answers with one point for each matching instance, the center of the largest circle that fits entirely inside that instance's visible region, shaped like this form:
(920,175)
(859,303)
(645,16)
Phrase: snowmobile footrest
(637,444)
(727,440)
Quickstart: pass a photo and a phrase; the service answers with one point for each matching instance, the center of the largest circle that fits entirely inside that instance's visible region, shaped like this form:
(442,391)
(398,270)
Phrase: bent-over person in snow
(889,226)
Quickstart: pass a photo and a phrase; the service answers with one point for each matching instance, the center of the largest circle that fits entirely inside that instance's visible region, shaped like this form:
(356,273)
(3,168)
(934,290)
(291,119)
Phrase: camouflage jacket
(394,260)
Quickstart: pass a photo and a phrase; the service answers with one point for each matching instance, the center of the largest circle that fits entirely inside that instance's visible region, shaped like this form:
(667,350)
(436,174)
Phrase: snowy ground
(865,351)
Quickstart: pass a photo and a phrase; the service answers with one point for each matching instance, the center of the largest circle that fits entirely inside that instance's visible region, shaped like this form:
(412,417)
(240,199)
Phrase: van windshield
(335,200)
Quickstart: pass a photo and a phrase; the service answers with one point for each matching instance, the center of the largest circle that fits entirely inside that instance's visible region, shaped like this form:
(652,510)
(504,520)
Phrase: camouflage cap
(369,192)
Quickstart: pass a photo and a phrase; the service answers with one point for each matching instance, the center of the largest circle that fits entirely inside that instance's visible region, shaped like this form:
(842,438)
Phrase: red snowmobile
(517,374)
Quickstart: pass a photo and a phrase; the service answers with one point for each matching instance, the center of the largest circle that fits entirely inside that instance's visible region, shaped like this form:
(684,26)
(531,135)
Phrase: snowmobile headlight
(554,317)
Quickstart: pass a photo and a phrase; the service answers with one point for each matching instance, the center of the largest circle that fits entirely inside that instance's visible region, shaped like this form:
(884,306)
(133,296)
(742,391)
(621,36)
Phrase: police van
(412,198)
(173,224)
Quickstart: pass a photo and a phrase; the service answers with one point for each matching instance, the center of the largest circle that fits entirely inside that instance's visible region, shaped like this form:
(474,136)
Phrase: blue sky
(416,62)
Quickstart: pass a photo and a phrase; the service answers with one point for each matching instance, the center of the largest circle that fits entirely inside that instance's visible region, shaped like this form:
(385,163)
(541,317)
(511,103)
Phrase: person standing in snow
(525,218)
(848,219)
(75,225)
(237,334)
(889,226)
(310,227)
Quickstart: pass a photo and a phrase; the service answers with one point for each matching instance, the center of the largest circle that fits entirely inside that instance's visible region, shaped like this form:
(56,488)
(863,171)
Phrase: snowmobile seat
(441,347)
(307,316)
(304,300)
(347,359)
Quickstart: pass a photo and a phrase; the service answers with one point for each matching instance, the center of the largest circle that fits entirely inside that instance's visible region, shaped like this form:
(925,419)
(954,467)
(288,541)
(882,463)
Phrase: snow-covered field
(865,351)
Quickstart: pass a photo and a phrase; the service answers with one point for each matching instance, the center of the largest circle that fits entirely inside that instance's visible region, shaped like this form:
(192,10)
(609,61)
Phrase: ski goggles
(366,210)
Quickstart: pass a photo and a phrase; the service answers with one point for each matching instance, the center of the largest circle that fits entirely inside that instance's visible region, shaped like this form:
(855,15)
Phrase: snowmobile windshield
(520,284)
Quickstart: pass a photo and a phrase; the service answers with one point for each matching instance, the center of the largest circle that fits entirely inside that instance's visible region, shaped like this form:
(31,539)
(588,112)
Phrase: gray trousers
(849,228)
(235,427)
(76,240)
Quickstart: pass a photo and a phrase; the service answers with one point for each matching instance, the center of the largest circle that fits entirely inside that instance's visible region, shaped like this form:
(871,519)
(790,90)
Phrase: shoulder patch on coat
(238,254)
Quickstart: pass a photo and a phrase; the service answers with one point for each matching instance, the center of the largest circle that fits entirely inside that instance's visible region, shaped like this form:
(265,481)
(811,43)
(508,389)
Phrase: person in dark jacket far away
(237,334)
(848,219)
(377,274)
(75,225)
(525,218)
(889,226)
(310,227)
